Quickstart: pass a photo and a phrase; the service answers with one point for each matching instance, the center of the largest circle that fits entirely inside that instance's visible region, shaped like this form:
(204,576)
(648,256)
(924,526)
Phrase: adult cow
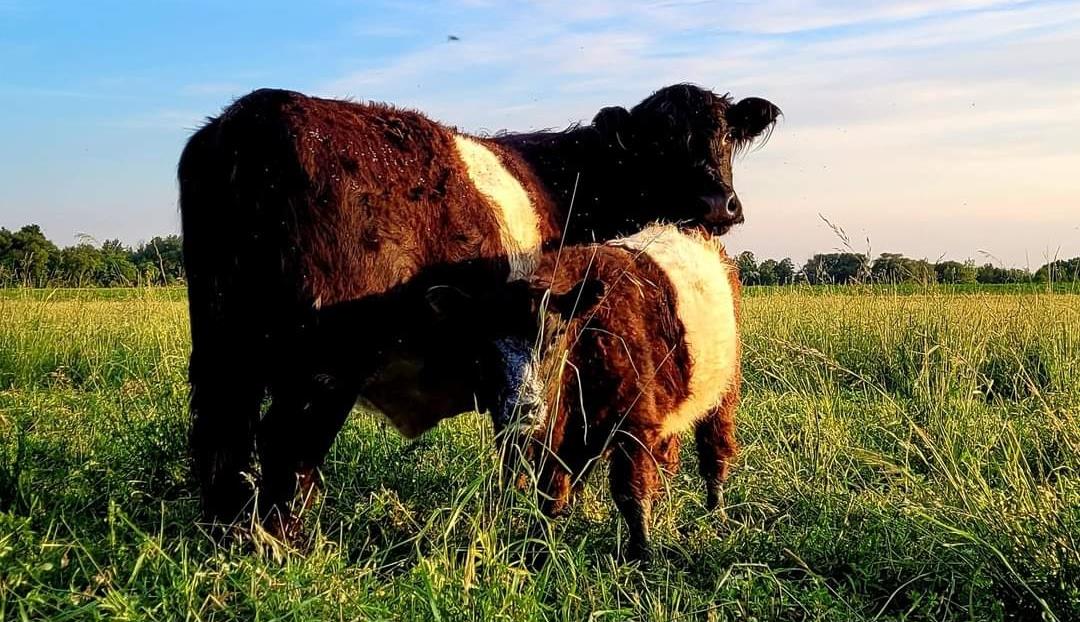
(295,207)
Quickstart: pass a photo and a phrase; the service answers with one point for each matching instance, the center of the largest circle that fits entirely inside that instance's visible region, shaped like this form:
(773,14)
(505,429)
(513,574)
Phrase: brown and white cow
(643,345)
(295,208)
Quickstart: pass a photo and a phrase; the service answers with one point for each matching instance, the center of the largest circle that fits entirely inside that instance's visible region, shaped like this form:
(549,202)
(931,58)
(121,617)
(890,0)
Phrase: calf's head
(480,347)
(674,149)
(486,342)
(517,336)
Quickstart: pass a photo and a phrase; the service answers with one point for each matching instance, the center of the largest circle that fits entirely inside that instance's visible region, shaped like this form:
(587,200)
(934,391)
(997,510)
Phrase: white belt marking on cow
(704,304)
(519,226)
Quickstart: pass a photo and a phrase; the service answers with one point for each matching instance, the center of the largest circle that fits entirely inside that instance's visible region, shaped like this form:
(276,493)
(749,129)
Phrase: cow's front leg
(716,446)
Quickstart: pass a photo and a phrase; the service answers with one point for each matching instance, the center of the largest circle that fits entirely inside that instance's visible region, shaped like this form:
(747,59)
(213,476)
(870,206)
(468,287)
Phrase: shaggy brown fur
(627,370)
(293,205)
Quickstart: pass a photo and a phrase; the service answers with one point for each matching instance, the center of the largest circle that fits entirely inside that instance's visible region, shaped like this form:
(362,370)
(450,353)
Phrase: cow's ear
(577,299)
(613,123)
(751,117)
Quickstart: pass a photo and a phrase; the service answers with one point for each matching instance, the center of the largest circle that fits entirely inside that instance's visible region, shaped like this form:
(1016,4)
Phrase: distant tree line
(28,258)
(846,268)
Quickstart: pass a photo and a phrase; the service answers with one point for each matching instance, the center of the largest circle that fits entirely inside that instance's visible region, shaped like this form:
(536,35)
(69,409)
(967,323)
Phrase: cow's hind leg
(225,402)
(716,447)
(304,418)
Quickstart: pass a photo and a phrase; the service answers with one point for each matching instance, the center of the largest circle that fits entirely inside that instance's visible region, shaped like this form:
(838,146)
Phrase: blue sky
(929,127)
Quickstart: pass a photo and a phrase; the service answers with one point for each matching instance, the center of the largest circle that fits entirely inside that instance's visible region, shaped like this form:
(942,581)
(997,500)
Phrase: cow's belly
(412,402)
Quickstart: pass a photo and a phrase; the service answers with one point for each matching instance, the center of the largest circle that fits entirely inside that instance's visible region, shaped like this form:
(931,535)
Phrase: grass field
(906,457)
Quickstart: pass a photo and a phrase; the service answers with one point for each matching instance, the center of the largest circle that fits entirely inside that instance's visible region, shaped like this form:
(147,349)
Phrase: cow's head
(433,353)
(675,150)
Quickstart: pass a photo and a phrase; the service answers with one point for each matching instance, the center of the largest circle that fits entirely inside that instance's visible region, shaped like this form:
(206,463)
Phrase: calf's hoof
(556,508)
(639,552)
(714,496)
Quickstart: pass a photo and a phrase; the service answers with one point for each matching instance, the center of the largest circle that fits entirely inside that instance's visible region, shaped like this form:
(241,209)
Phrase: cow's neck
(576,170)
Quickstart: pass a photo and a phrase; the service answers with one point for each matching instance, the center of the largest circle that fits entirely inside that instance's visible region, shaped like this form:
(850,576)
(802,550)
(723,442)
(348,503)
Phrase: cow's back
(358,198)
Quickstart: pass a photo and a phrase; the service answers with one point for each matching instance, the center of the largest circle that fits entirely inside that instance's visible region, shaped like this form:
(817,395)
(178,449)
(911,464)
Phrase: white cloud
(165,120)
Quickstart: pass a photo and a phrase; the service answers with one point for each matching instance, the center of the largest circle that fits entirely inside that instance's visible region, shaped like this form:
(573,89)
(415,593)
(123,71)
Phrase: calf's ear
(576,299)
(446,301)
(751,117)
(613,123)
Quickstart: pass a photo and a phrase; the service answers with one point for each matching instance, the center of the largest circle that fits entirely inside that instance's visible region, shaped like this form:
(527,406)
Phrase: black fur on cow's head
(675,150)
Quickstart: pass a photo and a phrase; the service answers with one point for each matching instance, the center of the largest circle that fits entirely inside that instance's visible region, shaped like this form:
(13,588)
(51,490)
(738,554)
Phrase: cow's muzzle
(723,210)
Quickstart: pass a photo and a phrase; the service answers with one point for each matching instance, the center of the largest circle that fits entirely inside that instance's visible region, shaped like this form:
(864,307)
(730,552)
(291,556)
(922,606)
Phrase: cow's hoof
(286,528)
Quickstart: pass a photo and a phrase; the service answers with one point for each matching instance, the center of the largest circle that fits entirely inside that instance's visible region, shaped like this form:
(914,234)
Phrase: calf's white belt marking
(704,304)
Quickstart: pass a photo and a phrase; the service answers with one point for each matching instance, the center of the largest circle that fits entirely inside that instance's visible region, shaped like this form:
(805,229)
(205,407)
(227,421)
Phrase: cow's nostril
(733,206)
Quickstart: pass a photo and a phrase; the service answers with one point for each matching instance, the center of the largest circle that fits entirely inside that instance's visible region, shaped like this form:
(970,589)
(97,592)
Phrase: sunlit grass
(905,457)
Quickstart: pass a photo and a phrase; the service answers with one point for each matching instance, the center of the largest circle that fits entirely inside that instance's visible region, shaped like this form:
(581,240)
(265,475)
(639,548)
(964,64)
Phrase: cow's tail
(227,352)
(243,192)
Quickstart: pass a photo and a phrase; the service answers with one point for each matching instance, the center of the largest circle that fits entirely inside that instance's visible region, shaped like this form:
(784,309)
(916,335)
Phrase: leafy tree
(838,268)
(117,269)
(921,271)
(79,266)
(989,273)
(767,272)
(26,255)
(890,268)
(955,272)
(748,268)
(785,271)
(895,268)
(1059,270)
(160,260)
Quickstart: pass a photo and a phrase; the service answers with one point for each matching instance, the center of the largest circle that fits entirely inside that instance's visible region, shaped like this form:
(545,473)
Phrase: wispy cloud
(799,16)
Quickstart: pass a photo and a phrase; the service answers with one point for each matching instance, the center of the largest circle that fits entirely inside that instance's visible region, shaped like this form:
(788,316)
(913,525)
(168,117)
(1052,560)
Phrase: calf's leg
(555,486)
(635,480)
(716,446)
(556,502)
(666,453)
